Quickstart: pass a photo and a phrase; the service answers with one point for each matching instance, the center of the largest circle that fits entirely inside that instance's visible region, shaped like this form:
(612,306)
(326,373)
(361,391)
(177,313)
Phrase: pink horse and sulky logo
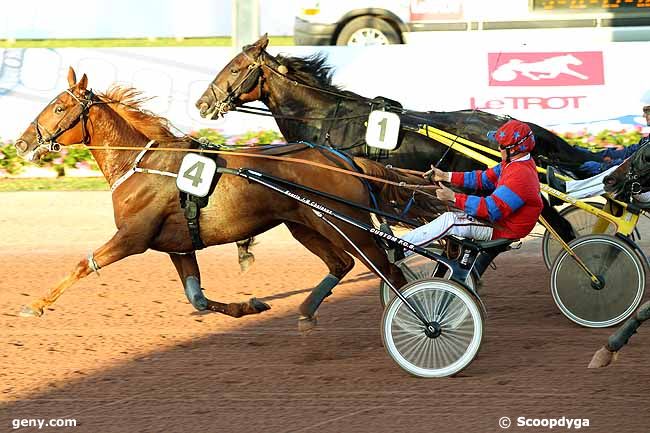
(546,69)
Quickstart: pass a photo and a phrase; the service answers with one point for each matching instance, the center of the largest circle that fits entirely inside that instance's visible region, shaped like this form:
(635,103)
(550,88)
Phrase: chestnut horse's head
(631,177)
(239,82)
(62,122)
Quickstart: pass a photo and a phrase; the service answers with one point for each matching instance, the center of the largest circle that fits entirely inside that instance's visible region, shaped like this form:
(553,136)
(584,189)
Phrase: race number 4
(382,130)
(196,174)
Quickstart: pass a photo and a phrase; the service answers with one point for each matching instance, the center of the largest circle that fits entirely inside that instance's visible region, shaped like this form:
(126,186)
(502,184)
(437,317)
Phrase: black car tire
(370,22)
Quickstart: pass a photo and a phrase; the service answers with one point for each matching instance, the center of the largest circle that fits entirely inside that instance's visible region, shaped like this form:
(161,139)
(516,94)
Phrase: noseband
(49,143)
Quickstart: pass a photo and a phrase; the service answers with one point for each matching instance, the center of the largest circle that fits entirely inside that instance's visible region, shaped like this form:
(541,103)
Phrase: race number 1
(382,130)
(196,174)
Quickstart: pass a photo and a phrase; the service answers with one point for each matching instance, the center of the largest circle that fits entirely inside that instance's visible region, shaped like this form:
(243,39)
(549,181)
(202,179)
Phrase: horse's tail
(421,204)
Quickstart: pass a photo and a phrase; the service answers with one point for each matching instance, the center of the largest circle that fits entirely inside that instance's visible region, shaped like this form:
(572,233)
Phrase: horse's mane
(312,70)
(127,103)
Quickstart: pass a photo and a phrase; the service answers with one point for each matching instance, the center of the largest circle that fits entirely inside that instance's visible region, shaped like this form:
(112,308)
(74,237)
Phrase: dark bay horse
(299,93)
(631,177)
(306,106)
(148,214)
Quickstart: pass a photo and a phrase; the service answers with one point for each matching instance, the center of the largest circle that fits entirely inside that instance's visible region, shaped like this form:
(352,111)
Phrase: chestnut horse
(306,106)
(146,206)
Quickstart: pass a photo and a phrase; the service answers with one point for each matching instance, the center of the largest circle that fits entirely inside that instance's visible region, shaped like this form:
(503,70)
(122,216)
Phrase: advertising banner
(591,87)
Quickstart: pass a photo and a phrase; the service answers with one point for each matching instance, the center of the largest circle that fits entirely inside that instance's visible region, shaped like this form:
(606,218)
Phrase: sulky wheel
(416,267)
(622,281)
(454,335)
(583,224)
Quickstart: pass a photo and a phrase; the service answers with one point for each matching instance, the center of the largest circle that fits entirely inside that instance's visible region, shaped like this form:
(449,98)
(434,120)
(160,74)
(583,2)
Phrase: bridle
(243,84)
(255,78)
(636,173)
(49,143)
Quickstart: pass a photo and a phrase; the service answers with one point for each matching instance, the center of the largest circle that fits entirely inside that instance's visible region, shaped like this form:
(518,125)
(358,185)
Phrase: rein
(416,187)
(260,111)
(50,145)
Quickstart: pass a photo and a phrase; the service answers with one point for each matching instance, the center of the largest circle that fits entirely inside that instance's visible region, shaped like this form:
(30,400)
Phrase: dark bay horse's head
(62,121)
(631,177)
(239,82)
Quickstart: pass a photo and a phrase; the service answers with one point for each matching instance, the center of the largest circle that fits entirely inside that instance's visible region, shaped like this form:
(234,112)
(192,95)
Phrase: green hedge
(10,163)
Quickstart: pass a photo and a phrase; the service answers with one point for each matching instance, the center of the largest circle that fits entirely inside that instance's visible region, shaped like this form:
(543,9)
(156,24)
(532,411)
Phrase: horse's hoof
(245,262)
(30,312)
(602,358)
(307,324)
(258,305)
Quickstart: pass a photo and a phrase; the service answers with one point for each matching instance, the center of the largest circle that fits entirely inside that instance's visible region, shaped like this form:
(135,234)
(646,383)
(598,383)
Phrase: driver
(512,206)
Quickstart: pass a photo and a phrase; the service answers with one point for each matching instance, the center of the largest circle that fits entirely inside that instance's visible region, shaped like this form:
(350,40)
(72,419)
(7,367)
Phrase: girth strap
(192,206)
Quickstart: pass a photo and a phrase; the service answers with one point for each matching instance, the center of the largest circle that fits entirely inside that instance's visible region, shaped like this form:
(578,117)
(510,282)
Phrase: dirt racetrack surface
(125,352)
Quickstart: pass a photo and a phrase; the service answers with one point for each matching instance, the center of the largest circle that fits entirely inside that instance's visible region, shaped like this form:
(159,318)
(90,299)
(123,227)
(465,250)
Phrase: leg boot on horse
(188,270)
(338,262)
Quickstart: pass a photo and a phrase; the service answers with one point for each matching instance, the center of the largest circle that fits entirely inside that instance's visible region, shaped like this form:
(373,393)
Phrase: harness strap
(188,203)
(135,169)
(407,208)
(325,133)
(350,161)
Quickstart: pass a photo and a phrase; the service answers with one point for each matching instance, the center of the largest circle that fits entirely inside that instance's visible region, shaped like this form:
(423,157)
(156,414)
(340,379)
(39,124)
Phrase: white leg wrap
(92,264)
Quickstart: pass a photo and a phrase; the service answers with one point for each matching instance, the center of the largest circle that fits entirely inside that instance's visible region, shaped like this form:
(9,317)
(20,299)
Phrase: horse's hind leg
(338,262)
(244,254)
(188,270)
(604,356)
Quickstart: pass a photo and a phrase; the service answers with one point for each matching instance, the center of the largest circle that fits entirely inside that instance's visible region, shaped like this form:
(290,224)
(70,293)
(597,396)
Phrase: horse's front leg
(120,246)
(188,270)
(606,354)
